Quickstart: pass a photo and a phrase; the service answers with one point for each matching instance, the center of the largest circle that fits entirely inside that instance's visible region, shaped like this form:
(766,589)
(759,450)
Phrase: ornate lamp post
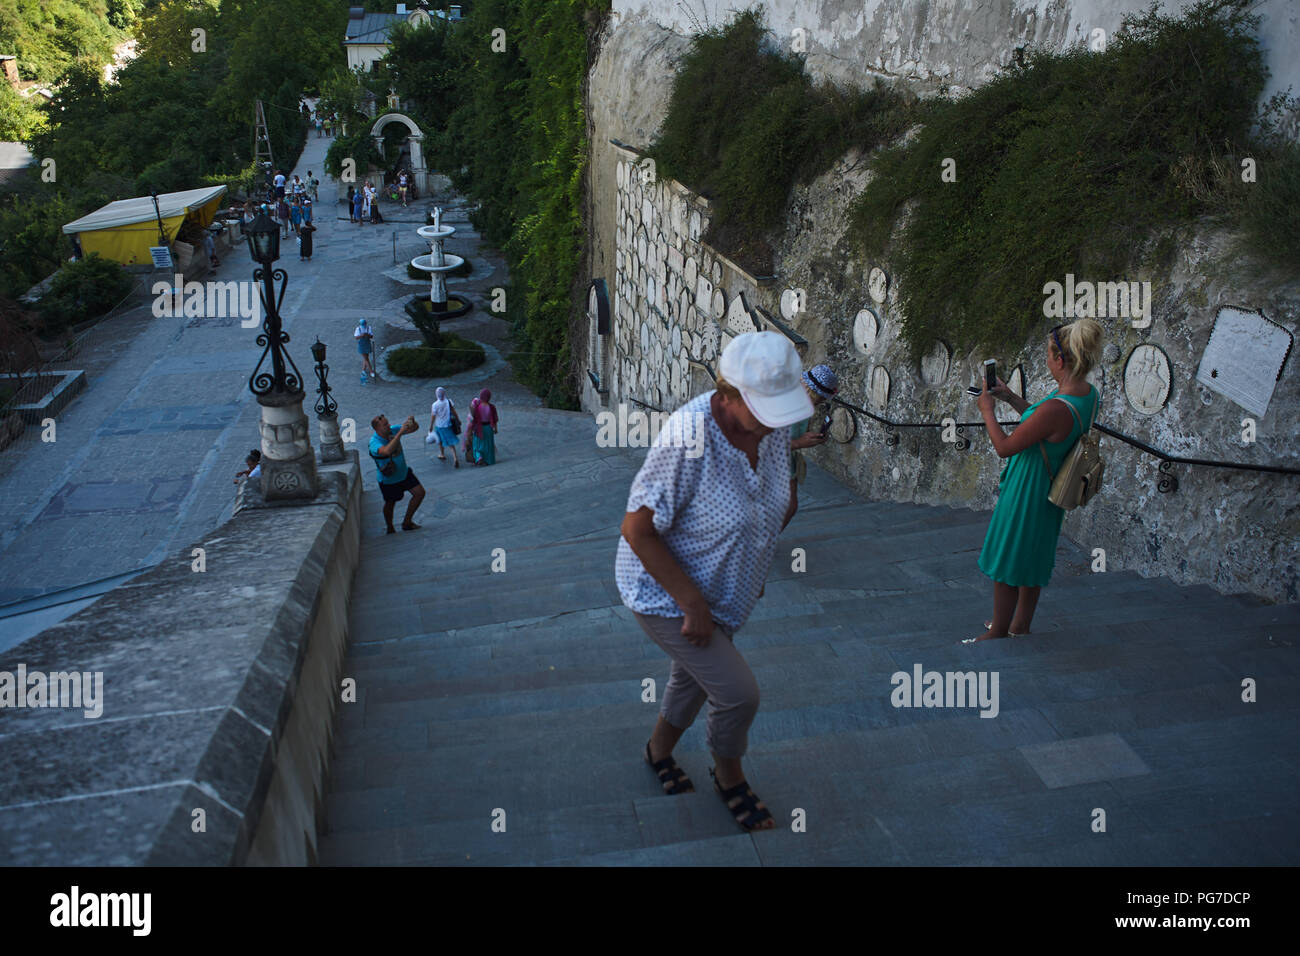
(327,410)
(288,463)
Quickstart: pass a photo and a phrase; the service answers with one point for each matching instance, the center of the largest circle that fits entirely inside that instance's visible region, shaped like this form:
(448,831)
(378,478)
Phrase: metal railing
(637,401)
(1167,483)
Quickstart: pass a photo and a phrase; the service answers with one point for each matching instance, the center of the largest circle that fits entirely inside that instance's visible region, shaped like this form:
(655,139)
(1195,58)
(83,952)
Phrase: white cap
(766,370)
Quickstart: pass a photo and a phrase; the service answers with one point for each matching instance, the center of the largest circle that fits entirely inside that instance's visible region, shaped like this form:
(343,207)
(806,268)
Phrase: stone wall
(218,694)
(929,45)
(674,302)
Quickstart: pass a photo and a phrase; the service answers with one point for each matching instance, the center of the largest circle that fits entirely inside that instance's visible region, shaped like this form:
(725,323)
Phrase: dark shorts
(394,490)
(279,192)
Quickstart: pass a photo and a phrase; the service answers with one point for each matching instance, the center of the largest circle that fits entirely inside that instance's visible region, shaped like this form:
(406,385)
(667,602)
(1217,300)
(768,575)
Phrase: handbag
(1079,479)
(386,469)
(455,420)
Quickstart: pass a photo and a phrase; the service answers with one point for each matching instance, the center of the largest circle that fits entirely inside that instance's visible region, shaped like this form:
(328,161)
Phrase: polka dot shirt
(718,516)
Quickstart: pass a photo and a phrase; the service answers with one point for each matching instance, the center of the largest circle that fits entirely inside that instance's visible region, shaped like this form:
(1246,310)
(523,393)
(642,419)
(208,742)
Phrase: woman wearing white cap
(699,536)
(822,383)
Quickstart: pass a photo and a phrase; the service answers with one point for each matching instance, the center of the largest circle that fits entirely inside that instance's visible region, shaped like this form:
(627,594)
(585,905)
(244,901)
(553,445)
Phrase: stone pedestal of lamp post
(288,462)
(331,443)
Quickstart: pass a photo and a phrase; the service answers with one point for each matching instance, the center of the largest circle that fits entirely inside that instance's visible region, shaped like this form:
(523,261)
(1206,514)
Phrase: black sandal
(672,777)
(750,812)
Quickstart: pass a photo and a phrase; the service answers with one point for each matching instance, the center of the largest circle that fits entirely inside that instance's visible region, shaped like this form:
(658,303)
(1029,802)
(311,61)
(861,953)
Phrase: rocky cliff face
(675,302)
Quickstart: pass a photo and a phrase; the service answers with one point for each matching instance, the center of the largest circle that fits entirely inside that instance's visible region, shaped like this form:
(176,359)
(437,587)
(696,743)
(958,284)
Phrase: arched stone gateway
(415,140)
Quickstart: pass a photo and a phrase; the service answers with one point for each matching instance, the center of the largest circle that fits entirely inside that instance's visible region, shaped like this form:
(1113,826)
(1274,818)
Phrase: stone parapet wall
(674,302)
(219,688)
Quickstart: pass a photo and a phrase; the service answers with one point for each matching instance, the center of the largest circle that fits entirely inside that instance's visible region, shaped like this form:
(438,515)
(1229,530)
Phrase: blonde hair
(1081,340)
(727,389)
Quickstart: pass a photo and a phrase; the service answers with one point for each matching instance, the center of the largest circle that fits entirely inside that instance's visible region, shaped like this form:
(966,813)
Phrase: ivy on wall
(745,124)
(1067,163)
(507,124)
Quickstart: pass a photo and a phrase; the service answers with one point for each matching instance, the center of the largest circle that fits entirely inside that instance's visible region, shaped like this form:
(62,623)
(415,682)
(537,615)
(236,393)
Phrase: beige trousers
(716,673)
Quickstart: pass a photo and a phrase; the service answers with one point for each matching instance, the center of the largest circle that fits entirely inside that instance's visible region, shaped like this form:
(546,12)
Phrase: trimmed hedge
(453,354)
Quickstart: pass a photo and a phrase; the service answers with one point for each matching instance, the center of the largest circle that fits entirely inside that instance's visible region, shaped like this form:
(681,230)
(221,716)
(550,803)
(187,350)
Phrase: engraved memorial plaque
(1244,358)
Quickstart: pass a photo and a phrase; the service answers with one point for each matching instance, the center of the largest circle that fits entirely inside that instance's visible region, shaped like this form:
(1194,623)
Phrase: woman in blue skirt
(440,424)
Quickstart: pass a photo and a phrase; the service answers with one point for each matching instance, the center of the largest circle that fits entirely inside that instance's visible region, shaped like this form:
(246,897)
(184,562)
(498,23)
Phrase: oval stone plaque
(1147,377)
(1017,381)
(934,364)
(865,327)
(793,301)
(879,389)
(843,425)
(878,285)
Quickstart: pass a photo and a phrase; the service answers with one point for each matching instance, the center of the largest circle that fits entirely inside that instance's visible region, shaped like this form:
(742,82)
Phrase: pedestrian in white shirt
(441,429)
(699,536)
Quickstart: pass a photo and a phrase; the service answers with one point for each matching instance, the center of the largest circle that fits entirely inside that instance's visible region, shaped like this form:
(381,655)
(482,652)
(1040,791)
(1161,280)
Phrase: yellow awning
(124,230)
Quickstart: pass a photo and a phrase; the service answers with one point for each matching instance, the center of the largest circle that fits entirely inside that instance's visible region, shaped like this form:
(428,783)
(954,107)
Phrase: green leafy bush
(358,146)
(745,124)
(515,143)
(1067,164)
(82,290)
(452,354)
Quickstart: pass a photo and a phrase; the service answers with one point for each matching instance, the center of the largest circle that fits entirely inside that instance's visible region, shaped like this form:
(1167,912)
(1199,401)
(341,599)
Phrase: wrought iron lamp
(264,247)
(288,462)
(325,405)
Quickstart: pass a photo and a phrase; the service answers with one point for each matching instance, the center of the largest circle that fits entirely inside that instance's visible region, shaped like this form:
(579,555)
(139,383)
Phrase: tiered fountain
(437,263)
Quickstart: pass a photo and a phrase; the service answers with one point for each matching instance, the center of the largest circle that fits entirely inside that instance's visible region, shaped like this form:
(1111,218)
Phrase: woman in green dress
(1020,548)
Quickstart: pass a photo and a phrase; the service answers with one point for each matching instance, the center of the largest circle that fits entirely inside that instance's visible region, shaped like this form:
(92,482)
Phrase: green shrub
(359,146)
(745,124)
(82,290)
(453,354)
(1069,163)
(1267,208)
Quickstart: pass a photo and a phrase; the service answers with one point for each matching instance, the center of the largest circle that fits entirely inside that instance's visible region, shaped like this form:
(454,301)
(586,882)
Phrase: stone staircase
(521,691)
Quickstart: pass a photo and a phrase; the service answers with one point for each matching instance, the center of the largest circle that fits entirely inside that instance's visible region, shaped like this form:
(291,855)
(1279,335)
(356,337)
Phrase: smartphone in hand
(972,390)
(991,374)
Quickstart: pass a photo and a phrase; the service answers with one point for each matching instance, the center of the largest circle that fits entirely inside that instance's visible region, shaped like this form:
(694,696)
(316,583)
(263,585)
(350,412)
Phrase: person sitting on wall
(252,466)
(1020,547)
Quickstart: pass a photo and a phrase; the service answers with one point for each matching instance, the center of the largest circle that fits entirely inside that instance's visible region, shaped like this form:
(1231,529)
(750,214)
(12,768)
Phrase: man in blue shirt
(386,451)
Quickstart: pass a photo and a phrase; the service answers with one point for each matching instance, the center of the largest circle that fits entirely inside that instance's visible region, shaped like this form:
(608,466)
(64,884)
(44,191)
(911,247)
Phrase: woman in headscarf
(440,423)
(471,427)
(485,422)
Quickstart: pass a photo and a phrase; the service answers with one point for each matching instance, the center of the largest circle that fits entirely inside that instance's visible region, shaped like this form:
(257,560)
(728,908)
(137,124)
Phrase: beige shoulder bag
(1080,476)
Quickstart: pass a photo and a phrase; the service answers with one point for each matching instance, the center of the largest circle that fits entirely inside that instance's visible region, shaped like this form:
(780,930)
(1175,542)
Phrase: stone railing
(203,702)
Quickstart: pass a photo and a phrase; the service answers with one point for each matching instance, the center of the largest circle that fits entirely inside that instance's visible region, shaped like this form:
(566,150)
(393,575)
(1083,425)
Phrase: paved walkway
(521,691)
(144,458)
